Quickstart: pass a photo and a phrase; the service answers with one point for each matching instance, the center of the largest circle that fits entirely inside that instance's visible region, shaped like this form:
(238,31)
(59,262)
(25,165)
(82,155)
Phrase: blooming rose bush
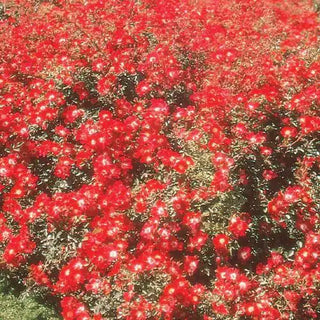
(160,159)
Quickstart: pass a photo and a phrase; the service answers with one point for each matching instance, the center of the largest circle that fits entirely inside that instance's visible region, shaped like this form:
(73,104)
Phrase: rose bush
(160,159)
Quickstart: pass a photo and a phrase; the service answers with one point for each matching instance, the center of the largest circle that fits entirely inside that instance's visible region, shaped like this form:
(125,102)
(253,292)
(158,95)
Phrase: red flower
(220,242)
(244,254)
(105,84)
(38,274)
(73,309)
(191,264)
(71,276)
(238,227)
(289,132)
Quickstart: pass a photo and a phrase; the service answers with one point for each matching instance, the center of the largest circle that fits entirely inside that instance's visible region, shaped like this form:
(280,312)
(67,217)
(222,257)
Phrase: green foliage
(22,306)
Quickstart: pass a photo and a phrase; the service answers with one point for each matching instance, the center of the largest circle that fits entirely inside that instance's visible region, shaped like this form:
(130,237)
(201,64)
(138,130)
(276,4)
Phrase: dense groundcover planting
(160,159)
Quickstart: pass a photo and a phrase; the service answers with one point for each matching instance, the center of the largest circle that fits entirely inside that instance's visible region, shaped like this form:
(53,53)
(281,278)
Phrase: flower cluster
(160,159)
